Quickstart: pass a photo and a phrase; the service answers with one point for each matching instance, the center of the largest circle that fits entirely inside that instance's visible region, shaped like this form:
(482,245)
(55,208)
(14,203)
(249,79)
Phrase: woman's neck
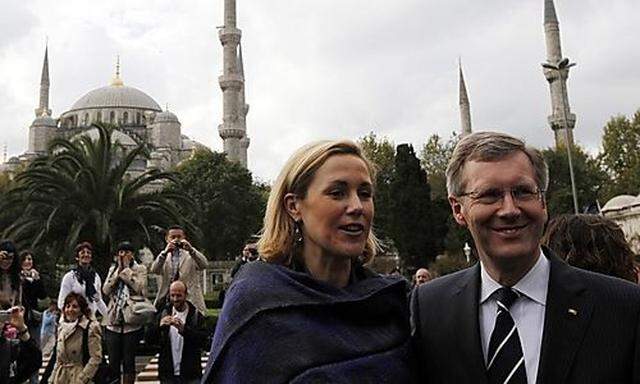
(331,269)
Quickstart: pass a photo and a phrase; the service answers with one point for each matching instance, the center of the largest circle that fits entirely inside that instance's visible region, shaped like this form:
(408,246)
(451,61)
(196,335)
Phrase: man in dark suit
(182,336)
(520,315)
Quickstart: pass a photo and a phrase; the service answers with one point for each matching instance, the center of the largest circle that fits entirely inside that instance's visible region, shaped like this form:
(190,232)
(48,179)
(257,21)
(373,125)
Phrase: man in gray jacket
(179,261)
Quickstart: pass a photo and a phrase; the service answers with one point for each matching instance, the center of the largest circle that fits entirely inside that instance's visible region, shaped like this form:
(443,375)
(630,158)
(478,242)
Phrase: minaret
(43,108)
(465,107)
(244,110)
(556,71)
(233,129)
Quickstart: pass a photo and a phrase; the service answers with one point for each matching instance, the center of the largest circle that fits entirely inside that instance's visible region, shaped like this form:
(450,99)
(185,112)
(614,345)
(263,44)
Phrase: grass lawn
(213,312)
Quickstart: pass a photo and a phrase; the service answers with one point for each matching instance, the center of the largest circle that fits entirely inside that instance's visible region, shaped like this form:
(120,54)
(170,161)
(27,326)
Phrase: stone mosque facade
(139,119)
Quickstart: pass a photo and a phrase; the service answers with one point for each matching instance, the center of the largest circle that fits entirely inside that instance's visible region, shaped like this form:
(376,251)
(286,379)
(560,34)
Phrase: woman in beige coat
(71,366)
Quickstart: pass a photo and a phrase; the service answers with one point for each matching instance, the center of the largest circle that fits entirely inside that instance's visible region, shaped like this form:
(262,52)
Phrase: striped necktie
(506,361)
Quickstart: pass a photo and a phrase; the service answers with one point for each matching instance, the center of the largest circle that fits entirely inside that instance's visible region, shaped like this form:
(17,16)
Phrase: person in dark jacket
(32,290)
(182,336)
(20,357)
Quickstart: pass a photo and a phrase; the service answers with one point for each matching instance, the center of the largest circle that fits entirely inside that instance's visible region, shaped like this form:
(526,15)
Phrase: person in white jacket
(84,280)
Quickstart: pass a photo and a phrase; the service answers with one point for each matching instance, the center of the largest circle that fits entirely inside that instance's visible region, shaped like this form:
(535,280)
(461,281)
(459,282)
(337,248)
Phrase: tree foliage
(81,191)
(413,227)
(381,152)
(620,156)
(229,206)
(589,179)
(434,157)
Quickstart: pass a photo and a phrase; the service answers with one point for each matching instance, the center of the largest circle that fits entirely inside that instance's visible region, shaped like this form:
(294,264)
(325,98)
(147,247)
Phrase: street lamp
(467,252)
(562,70)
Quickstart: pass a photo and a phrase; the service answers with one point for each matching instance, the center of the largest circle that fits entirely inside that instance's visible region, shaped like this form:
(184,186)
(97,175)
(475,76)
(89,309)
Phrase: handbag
(104,374)
(138,311)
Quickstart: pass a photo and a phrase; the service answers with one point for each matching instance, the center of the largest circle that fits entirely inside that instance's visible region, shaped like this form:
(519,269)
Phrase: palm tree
(81,191)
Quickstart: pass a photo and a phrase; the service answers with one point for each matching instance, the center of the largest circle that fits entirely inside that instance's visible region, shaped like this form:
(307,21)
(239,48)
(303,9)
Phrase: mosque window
(112,117)
(85,120)
(125,118)
(99,117)
(138,118)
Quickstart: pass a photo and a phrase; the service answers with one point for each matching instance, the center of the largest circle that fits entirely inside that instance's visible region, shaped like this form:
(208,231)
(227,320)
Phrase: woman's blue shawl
(282,326)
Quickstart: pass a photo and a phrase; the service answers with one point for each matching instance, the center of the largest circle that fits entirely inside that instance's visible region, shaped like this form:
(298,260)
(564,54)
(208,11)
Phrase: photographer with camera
(125,282)
(20,357)
(249,254)
(179,260)
(10,286)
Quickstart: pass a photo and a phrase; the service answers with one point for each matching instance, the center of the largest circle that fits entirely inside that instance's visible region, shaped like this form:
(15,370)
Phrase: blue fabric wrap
(281,326)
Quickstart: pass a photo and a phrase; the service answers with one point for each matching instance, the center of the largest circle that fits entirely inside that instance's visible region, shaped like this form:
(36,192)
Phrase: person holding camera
(179,260)
(126,279)
(20,357)
(249,254)
(10,287)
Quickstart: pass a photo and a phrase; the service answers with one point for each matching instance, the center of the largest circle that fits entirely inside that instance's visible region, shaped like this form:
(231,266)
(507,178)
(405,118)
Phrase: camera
(178,244)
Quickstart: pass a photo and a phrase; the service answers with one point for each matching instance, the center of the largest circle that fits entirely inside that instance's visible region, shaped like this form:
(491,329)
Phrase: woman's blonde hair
(276,242)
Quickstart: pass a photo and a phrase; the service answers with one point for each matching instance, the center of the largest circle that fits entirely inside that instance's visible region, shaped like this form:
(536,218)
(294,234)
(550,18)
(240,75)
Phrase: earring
(297,232)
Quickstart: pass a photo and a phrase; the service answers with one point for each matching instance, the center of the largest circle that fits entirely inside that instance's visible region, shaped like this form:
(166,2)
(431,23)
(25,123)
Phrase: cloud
(319,69)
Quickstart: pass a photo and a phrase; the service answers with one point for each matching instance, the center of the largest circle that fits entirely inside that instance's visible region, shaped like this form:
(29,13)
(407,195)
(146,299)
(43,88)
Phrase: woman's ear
(292,205)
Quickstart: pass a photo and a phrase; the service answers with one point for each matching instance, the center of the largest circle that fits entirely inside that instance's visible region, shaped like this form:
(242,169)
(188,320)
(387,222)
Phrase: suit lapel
(468,325)
(567,318)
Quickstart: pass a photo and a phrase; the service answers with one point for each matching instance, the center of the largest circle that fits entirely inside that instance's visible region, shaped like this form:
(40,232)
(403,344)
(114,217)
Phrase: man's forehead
(515,166)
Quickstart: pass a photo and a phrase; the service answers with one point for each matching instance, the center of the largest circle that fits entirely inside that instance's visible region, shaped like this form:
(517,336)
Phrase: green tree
(381,152)
(589,179)
(413,226)
(81,191)
(620,155)
(434,157)
(229,206)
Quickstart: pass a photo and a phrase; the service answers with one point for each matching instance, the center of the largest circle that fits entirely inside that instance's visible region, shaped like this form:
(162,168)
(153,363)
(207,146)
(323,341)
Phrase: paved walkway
(146,368)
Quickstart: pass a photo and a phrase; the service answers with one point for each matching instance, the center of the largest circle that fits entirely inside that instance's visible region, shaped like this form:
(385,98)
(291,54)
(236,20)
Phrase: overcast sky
(319,69)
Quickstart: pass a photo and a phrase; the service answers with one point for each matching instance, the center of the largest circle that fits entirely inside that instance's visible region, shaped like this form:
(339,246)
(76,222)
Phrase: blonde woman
(310,311)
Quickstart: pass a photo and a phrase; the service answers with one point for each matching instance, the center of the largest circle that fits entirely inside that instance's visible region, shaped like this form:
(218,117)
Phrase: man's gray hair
(491,146)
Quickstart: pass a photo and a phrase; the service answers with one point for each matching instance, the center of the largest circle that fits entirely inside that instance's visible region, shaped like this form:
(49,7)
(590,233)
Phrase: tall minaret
(43,108)
(233,127)
(556,71)
(244,110)
(465,107)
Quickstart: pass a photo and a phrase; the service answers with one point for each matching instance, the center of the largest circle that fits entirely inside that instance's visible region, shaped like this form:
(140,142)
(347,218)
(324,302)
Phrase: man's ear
(292,205)
(456,209)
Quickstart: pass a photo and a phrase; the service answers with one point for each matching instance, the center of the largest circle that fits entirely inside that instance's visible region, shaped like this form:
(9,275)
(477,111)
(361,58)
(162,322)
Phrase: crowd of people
(548,302)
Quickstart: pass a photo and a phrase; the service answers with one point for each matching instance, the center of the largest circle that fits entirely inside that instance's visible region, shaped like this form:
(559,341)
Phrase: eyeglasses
(519,194)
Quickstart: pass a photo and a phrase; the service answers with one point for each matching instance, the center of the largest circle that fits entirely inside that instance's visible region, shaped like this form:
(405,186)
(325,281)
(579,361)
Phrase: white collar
(534,284)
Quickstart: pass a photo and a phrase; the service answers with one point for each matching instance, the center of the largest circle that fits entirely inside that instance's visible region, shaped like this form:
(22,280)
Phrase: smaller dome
(619,202)
(47,121)
(13,160)
(166,117)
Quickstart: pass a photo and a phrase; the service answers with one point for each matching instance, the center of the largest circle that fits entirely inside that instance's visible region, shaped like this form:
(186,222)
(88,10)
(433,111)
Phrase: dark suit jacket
(599,344)
(196,338)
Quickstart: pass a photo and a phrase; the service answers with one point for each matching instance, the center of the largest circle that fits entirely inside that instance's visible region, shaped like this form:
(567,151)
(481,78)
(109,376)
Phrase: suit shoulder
(447,283)
(609,288)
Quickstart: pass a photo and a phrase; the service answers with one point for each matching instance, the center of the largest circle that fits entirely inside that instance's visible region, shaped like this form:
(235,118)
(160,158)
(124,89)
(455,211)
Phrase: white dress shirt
(527,312)
(177,341)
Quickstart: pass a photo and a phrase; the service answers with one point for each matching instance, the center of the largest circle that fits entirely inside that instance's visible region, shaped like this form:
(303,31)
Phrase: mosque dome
(115,95)
(166,117)
(620,202)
